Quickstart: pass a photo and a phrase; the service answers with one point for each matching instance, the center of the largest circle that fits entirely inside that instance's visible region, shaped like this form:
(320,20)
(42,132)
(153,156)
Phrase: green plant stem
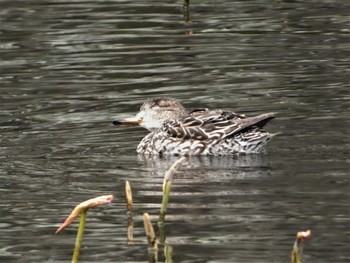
(168,253)
(79,238)
(165,201)
(296,252)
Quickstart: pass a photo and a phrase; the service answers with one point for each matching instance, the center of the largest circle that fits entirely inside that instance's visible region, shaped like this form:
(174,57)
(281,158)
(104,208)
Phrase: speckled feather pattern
(208,132)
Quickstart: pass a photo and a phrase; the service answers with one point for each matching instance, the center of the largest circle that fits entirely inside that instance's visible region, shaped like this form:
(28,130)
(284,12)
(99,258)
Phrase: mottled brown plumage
(199,132)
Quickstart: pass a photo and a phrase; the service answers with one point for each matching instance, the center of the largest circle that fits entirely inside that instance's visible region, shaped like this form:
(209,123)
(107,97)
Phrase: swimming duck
(174,131)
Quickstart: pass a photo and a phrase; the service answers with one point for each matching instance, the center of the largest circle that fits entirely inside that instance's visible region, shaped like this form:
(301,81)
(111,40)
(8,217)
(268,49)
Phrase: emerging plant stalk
(81,210)
(79,239)
(167,187)
(129,203)
(297,247)
(151,239)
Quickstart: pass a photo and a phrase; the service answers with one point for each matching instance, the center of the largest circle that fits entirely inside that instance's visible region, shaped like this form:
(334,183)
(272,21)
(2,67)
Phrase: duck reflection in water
(207,168)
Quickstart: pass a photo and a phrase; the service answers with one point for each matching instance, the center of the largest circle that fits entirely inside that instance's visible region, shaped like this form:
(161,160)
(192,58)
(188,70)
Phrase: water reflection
(217,168)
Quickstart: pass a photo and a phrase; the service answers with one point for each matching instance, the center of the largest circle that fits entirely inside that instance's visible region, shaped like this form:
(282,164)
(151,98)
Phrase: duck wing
(204,124)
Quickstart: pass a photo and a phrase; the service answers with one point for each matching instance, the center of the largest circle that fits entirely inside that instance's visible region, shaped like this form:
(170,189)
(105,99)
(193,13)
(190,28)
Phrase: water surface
(68,68)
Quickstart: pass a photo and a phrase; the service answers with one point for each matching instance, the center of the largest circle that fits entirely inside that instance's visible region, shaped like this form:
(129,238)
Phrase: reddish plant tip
(301,236)
(109,198)
(84,206)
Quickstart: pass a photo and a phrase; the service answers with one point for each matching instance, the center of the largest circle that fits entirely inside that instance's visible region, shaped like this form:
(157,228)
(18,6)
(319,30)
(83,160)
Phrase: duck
(175,131)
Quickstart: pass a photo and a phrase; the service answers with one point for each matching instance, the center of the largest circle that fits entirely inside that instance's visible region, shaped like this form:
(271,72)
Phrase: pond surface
(68,68)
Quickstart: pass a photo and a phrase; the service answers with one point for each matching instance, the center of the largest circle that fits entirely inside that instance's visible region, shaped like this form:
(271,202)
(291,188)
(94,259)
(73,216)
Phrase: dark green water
(68,68)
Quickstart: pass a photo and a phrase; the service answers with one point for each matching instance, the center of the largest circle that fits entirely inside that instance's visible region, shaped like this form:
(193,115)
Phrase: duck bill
(128,121)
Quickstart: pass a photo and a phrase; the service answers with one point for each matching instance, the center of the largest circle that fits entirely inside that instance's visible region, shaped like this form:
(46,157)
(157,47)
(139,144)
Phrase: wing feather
(213,125)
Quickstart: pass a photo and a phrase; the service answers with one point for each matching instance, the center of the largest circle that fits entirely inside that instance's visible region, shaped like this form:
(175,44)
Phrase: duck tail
(260,120)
